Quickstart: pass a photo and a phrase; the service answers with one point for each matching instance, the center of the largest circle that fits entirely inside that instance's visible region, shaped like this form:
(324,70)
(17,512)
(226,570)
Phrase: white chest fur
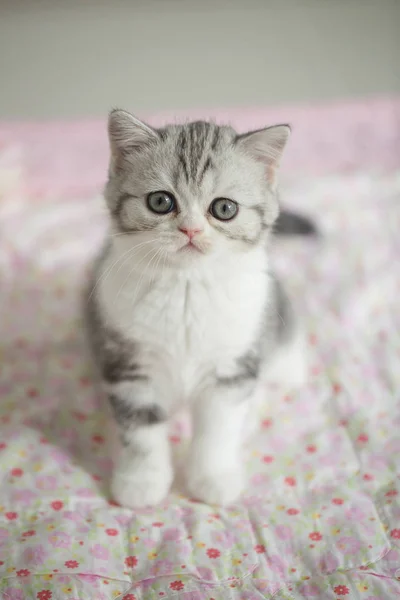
(187,322)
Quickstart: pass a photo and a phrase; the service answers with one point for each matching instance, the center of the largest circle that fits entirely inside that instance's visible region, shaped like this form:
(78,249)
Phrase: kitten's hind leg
(288,367)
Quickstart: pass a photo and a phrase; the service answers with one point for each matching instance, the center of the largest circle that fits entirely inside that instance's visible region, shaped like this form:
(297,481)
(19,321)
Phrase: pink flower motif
(292,511)
(24,496)
(395,533)
(72,516)
(348,545)
(94,580)
(131,561)
(4,533)
(13,594)
(99,551)
(177,585)
(354,513)
(206,574)
(283,532)
(60,539)
(310,589)
(85,493)
(162,567)
(341,590)
(224,539)
(46,482)
(71,564)
(328,563)
(213,553)
(276,564)
(172,534)
(35,555)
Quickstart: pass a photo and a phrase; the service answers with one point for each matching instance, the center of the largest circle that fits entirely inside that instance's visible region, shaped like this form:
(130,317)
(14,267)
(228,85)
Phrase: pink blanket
(321,515)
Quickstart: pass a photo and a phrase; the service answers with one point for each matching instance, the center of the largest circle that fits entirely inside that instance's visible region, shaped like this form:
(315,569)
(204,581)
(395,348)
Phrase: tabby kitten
(185,311)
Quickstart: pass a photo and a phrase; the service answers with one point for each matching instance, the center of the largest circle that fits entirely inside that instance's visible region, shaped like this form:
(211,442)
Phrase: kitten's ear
(127,133)
(266,146)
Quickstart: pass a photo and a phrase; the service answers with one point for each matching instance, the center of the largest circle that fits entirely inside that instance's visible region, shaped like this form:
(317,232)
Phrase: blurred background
(79,58)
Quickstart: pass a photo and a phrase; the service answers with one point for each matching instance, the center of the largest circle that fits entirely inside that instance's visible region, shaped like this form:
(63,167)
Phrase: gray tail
(290,223)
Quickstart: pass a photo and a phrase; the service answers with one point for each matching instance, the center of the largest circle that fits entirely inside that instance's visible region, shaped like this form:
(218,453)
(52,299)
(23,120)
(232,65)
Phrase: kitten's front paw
(216,487)
(143,485)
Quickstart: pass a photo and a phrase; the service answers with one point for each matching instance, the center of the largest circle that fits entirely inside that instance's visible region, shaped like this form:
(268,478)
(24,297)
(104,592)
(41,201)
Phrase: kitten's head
(192,191)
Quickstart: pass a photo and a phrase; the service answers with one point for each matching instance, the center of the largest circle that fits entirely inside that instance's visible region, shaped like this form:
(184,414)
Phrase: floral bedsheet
(321,515)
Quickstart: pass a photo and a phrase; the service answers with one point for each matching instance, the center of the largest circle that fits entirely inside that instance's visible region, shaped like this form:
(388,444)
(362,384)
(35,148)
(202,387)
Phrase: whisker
(131,271)
(109,269)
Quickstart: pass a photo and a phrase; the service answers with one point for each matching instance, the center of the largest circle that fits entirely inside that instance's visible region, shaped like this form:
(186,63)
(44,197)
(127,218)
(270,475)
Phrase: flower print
(60,539)
(276,564)
(57,505)
(172,534)
(341,590)
(337,501)
(29,533)
(290,481)
(267,459)
(284,532)
(99,551)
(224,539)
(162,567)
(176,585)
(363,438)
(292,511)
(44,595)
(348,545)
(328,563)
(205,573)
(16,472)
(129,597)
(213,553)
(4,533)
(11,516)
(24,496)
(35,555)
(23,573)
(46,482)
(354,513)
(395,533)
(391,493)
(158,524)
(259,548)
(131,561)
(71,564)
(112,532)
(13,594)
(315,536)
(310,589)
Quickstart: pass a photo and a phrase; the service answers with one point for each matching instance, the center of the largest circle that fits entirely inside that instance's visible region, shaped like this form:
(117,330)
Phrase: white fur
(187,323)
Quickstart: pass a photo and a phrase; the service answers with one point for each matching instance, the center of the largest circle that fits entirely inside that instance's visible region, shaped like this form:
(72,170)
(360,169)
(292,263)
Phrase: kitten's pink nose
(190,232)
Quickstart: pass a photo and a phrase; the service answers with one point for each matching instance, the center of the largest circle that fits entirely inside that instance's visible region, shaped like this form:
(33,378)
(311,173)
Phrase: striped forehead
(196,146)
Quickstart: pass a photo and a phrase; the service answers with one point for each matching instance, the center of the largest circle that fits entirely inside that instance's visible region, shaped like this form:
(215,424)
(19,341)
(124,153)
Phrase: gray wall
(78,58)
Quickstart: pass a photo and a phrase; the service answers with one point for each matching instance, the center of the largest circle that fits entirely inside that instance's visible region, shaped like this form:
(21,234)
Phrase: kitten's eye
(224,209)
(161,202)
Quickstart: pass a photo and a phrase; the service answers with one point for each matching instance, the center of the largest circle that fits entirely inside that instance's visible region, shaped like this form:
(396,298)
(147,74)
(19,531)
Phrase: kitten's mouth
(189,247)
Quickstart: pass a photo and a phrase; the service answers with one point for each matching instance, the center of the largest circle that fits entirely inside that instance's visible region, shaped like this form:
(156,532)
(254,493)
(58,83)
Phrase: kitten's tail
(290,223)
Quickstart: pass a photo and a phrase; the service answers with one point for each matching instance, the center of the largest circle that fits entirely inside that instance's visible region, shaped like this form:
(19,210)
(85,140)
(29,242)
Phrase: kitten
(184,310)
